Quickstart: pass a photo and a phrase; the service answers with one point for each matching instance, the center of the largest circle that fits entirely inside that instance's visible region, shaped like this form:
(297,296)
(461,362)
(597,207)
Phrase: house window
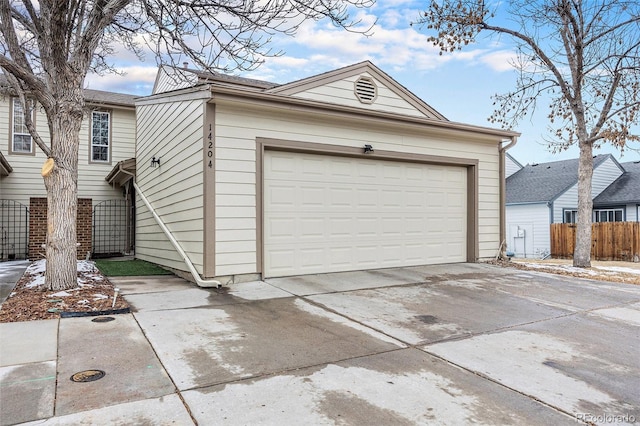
(608,215)
(20,137)
(100,136)
(570,216)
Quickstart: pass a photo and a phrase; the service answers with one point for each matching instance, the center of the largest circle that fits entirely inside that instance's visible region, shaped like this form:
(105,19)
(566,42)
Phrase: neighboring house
(622,197)
(511,165)
(342,171)
(107,137)
(545,193)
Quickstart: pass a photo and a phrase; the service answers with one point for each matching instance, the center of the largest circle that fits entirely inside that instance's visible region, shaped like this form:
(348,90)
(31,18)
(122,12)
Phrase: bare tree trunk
(582,251)
(62,195)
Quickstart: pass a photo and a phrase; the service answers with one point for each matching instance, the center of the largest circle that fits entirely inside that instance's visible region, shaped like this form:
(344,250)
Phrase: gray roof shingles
(624,190)
(96,97)
(538,183)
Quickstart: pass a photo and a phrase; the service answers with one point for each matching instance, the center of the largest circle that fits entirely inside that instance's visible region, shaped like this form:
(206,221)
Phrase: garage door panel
(338,214)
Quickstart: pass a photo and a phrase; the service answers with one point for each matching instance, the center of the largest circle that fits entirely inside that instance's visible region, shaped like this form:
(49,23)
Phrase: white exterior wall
(25,181)
(171,131)
(510,166)
(603,176)
(342,92)
(238,127)
(568,200)
(533,219)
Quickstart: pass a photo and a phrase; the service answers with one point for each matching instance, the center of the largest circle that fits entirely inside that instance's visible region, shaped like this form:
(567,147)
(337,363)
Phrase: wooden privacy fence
(609,241)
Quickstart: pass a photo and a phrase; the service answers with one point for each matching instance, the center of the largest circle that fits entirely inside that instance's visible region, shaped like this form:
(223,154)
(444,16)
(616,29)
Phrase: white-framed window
(100,137)
(608,215)
(570,216)
(21,142)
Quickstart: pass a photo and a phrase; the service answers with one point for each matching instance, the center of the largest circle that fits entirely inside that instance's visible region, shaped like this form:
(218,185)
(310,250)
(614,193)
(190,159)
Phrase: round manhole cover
(103,319)
(88,376)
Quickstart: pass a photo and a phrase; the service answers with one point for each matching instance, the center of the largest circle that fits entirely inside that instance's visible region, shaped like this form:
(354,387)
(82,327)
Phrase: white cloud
(135,79)
(500,60)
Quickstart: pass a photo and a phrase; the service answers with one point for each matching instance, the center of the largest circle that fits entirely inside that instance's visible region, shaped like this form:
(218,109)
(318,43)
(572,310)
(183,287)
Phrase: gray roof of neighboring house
(544,182)
(625,189)
(92,96)
(109,98)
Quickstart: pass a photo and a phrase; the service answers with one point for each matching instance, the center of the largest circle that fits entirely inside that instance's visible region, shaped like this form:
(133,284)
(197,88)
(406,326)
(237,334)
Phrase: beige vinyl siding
(342,92)
(25,181)
(172,132)
(238,127)
(169,79)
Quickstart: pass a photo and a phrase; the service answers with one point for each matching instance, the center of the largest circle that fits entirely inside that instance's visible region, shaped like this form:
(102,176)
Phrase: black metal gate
(113,228)
(14,230)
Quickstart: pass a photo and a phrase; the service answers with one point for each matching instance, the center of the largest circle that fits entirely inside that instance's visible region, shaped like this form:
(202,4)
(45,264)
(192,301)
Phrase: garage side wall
(171,131)
(237,129)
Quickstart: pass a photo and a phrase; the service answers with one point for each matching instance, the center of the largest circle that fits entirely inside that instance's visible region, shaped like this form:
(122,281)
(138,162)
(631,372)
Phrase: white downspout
(176,245)
(503,196)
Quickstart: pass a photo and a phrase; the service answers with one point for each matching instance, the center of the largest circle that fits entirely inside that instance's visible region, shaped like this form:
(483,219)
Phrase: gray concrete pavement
(449,344)
(10,273)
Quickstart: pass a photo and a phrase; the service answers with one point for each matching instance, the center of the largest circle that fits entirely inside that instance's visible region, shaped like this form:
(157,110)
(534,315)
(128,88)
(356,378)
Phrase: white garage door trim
(264,144)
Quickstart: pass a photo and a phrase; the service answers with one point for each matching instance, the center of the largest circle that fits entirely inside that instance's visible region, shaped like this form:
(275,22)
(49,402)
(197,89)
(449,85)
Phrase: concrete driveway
(450,344)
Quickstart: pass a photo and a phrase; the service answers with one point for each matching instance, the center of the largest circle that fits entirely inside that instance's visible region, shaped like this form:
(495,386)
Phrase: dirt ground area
(614,271)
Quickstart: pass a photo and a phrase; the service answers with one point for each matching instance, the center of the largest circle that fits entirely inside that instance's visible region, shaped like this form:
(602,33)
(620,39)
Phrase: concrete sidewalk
(449,344)
(10,273)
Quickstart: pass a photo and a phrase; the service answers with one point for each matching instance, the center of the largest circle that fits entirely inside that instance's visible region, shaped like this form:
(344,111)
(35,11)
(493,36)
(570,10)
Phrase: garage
(346,170)
(328,213)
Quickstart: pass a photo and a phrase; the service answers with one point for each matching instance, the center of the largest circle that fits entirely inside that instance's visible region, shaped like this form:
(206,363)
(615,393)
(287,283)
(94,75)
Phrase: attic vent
(366,90)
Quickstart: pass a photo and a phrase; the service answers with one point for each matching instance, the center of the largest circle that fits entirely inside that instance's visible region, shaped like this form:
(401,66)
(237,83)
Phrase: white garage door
(330,214)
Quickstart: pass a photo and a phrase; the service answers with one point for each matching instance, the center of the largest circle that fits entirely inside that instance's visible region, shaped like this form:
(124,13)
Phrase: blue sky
(458,85)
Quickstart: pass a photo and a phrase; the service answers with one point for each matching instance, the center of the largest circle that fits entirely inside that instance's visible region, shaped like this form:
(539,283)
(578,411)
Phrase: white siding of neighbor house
(238,127)
(533,219)
(171,131)
(568,200)
(342,92)
(25,181)
(603,176)
(632,213)
(510,166)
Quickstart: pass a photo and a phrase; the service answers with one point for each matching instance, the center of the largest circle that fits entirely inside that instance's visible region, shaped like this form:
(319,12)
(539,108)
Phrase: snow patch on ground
(619,269)
(86,269)
(563,268)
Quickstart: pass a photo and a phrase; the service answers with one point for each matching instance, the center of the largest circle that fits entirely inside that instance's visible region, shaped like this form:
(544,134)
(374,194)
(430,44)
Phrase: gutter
(503,195)
(176,245)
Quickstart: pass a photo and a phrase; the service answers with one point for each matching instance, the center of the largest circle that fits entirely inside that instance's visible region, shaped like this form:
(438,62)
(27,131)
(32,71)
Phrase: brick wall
(38,227)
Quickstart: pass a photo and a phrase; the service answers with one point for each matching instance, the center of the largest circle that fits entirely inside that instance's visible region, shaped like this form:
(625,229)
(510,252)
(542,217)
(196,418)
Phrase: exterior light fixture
(155,162)
(368,149)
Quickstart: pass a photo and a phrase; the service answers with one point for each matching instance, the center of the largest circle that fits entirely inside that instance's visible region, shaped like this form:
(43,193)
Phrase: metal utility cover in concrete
(120,349)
